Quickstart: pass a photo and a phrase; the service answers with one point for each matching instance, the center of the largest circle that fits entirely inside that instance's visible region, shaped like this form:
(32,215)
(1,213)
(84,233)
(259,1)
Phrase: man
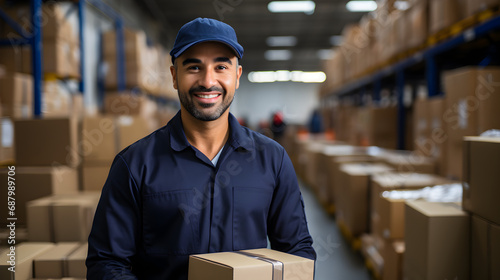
(202,183)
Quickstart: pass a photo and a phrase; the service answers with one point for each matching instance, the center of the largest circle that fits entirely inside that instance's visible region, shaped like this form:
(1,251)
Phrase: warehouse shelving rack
(489,22)
(120,52)
(34,40)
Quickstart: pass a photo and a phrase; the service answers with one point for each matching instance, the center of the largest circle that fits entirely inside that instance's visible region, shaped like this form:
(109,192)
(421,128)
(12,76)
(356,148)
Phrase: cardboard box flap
(437,209)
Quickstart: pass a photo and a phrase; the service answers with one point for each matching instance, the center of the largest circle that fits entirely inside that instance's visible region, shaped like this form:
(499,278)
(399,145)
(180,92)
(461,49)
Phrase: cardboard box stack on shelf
(474,7)
(147,77)
(147,66)
(377,126)
(61,52)
(429,134)
(471,102)
(481,181)
(445,13)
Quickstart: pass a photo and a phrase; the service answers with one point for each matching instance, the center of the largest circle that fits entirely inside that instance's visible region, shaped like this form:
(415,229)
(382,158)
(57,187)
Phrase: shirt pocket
(171,223)
(251,207)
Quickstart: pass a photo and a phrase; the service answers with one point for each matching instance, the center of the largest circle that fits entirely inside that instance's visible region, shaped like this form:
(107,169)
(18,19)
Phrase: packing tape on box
(277,265)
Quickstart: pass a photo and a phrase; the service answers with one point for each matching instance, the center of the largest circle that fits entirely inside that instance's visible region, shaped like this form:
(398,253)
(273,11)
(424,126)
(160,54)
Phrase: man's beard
(189,104)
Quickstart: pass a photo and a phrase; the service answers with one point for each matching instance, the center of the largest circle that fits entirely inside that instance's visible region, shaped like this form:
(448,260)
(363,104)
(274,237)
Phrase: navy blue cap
(204,30)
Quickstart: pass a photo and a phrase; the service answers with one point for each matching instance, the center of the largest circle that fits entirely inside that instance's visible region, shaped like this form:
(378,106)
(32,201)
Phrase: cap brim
(183,49)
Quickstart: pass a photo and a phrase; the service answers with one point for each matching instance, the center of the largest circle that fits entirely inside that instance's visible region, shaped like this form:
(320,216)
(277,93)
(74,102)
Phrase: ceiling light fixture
(286,76)
(402,5)
(306,7)
(273,55)
(361,6)
(281,41)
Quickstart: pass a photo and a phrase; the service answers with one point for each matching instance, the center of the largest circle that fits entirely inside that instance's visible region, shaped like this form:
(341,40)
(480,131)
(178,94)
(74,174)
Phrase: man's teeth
(208,95)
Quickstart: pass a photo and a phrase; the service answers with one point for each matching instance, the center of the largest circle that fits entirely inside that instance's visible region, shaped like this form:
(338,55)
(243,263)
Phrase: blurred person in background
(315,123)
(278,126)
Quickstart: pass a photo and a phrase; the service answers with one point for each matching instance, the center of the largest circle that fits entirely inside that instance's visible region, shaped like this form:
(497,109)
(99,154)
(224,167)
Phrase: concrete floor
(336,260)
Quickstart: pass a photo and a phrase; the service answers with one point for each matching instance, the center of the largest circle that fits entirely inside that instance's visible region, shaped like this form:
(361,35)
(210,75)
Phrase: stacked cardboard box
(477,6)
(142,62)
(50,264)
(377,127)
(36,182)
(45,164)
(60,101)
(16,95)
(103,137)
(24,253)
(387,214)
(332,159)
(63,260)
(56,142)
(471,106)
(61,218)
(352,210)
(481,181)
(429,133)
(393,260)
(444,13)
(436,240)
(389,192)
(417,23)
(407,161)
(61,47)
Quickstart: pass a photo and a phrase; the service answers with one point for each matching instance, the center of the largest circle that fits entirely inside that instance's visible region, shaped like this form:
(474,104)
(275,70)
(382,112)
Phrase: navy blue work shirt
(164,200)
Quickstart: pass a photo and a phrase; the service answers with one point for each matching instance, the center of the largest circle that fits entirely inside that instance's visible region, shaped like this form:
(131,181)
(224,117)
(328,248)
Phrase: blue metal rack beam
(36,54)
(81,22)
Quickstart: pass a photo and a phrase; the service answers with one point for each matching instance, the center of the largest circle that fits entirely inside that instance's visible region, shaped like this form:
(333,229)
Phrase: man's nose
(208,79)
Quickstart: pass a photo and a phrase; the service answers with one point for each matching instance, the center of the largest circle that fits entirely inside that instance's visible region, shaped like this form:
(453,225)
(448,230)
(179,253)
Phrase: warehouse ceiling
(254,23)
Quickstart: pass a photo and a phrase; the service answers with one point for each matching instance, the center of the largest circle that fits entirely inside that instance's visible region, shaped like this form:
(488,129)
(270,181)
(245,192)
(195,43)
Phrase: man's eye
(221,67)
(194,68)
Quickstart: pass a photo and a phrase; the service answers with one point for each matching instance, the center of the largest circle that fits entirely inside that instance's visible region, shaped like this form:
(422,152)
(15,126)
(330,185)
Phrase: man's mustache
(204,89)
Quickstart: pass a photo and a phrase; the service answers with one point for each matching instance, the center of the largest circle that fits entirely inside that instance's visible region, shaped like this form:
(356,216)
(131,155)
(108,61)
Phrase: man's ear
(173,71)
(238,75)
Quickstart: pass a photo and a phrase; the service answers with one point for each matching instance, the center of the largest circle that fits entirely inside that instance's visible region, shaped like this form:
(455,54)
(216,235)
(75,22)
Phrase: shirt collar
(238,138)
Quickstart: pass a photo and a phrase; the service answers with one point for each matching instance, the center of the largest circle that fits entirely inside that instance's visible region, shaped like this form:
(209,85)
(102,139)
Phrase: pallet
(373,272)
(354,241)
